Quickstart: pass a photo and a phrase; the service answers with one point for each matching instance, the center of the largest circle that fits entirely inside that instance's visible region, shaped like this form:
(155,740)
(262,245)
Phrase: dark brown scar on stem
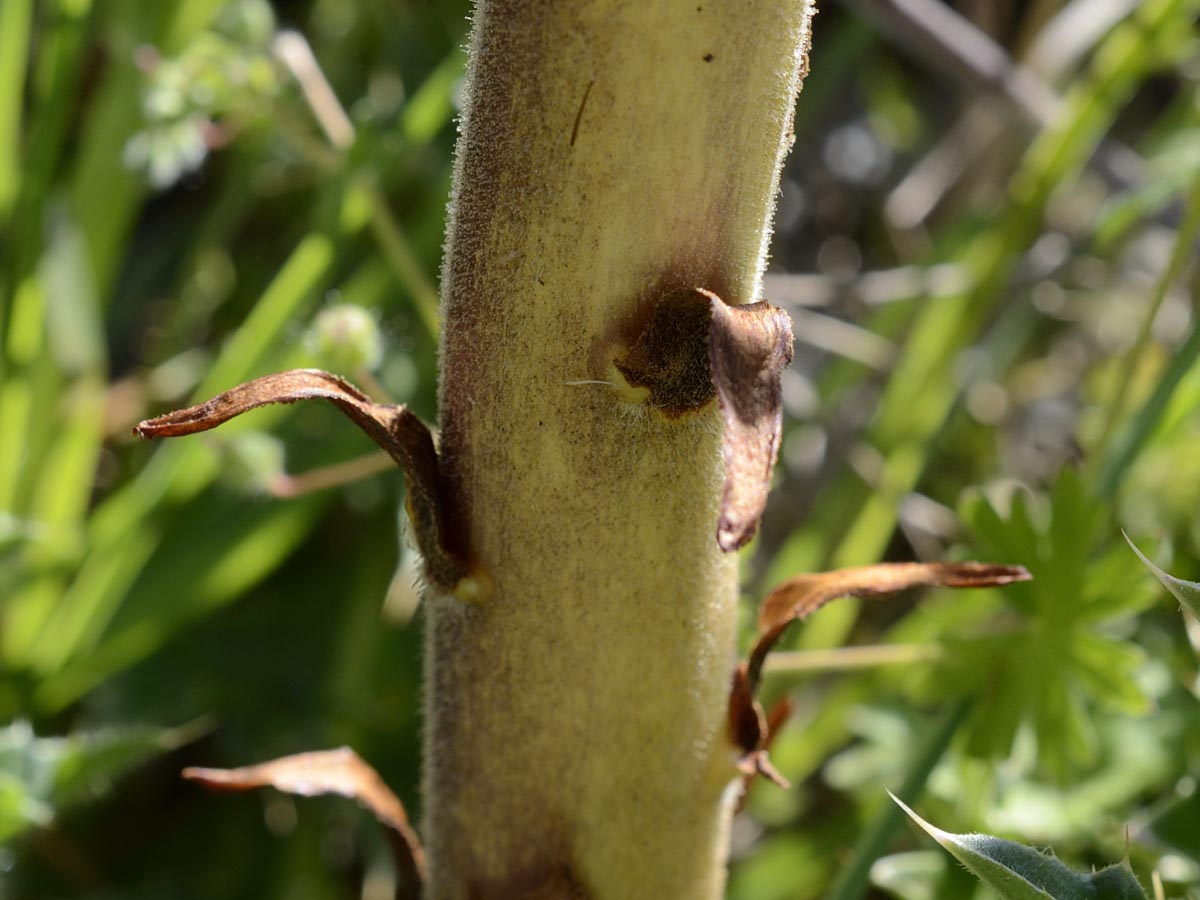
(696,346)
(579,114)
(394,428)
(670,358)
(550,882)
(799,597)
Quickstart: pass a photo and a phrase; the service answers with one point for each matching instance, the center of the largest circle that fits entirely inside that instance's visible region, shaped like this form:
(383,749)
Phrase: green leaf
(40,776)
(1108,668)
(1186,592)
(1057,664)
(1115,587)
(1017,872)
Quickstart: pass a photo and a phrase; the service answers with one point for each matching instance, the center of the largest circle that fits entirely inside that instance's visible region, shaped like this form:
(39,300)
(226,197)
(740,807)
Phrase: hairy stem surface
(613,152)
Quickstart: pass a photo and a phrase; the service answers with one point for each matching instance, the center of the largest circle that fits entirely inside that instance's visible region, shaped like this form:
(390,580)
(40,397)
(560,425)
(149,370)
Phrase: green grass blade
(923,388)
(431,106)
(15,18)
(854,880)
(1181,255)
(1132,437)
(296,282)
(217,566)
(25,340)
(57,69)
(1124,449)
(122,538)
(61,471)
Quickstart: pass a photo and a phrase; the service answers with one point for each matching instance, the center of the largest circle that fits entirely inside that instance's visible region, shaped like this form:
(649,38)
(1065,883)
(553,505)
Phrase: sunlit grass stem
(841,659)
(854,879)
(1133,363)
(294,51)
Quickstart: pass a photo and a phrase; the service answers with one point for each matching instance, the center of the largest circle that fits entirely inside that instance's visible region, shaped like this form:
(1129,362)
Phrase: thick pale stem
(613,152)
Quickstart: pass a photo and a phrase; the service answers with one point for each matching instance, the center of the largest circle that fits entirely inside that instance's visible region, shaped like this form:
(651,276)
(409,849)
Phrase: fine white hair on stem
(580,381)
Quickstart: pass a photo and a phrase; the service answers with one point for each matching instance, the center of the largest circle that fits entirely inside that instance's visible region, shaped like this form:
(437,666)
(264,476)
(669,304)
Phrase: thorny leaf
(1186,592)
(696,346)
(342,772)
(1016,872)
(749,347)
(394,428)
(803,595)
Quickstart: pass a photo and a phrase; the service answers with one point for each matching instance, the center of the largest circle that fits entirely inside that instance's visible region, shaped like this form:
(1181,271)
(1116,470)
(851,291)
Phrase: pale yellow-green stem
(612,151)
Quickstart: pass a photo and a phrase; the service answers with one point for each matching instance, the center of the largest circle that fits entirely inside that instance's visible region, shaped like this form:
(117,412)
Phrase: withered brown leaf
(342,772)
(749,347)
(394,428)
(751,730)
(803,595)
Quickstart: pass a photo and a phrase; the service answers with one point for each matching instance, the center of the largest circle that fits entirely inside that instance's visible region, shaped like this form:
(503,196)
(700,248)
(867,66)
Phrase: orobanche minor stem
(612,153)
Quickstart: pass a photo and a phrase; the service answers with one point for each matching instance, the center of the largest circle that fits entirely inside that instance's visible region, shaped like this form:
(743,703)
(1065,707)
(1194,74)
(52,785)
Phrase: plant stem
(612,151)
(331,476)
(841,659)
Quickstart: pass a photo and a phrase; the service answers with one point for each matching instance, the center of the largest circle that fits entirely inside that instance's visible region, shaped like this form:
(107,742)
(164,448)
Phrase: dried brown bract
(394,428)
(342,772)
(749,347)
(803,595)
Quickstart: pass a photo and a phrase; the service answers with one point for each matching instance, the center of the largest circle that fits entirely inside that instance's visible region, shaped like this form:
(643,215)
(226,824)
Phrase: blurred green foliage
(996,313)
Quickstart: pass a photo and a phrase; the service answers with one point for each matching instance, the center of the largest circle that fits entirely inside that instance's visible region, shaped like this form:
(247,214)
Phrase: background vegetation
(992,277)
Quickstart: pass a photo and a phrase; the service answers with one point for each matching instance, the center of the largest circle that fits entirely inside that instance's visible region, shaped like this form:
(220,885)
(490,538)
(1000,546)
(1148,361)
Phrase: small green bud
(250,22)
(346,338)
